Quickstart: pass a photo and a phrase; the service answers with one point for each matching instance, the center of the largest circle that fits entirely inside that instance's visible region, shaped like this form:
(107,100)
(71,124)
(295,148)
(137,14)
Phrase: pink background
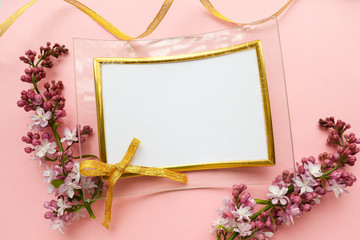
(320,43)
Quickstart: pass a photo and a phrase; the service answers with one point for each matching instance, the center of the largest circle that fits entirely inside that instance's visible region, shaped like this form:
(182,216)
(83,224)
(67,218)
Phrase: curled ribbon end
(106,224)
(135,141)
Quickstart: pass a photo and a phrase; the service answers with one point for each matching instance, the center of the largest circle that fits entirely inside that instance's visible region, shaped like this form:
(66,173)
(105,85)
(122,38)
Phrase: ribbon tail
(116,32)
(109,197)
(217,14)
(108,204)
(8,22)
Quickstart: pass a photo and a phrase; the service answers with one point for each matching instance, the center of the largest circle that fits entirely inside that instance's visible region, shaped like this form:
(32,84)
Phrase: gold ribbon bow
(92,168)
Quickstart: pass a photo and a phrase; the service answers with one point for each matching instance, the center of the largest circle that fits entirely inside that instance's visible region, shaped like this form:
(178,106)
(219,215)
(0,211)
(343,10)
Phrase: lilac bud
(336,156)
(264,215)
(307,207)
(308,197)
(47,205)
(311,159)
(69,153)
(327,162)
(47,105)
(235,193)
(45,136)
(20,103)
(48,215)
(35,142)
(82,139)
(296,199)
(53,203)
(244,197)
(67,217)
(259,224)
(28,149)
(60,113)
(46,85)
(69,166)
(28,108)
(26,78)
(268,223)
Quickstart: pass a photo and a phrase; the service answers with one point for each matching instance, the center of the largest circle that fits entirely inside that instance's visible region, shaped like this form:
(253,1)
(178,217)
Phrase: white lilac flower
(46,147)
(78,215)
(41,118)
(243,228)
(58,224)
(291,210)
(228,205)
(68,187)
(337,188)
(87,183)
(49,174)
(313,169)
(51,189)
(75,172)
(278,195)
(268,234)
(35,127)
(41,160)
(305,184)
(62,206)
(243,213)
(220,221)
(69,136)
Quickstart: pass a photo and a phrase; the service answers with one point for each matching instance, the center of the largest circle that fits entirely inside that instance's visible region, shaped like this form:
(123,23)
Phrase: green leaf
(57,182)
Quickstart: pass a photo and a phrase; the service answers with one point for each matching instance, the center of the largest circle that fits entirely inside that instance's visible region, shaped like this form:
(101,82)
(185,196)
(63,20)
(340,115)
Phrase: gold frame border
(98,62)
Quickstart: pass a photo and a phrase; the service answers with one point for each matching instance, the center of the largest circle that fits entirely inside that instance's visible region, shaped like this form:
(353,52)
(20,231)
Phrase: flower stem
(87,205)
(262,202)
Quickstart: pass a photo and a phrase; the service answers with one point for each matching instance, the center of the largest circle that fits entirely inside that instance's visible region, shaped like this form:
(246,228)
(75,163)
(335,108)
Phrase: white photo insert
(195,114)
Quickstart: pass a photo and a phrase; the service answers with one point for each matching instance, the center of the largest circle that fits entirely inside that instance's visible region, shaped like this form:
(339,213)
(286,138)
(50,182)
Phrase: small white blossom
(244,229)
(87,183)
(278,195)
(78,214)
(228,205)
(337,188)
(243,213)
(75,172)
(46,147)
(305,184)
(268,234)
(49,174)
(68,187)
(41,118)
(62,206)
(57,224)
(313,169)
(220,221)
(69,136)
(51,189)
(41,160)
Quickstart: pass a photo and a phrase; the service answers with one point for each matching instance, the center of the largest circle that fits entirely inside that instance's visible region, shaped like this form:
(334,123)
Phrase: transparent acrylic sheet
(86,50)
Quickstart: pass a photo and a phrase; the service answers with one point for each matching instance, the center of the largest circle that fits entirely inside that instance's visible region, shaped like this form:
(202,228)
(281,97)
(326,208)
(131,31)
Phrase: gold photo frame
(254,53)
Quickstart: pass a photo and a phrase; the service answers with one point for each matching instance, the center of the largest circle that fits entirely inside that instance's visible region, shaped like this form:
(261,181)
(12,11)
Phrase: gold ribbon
(217,14)
(5,25)
(114,171)
(153,25)
(108,26)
